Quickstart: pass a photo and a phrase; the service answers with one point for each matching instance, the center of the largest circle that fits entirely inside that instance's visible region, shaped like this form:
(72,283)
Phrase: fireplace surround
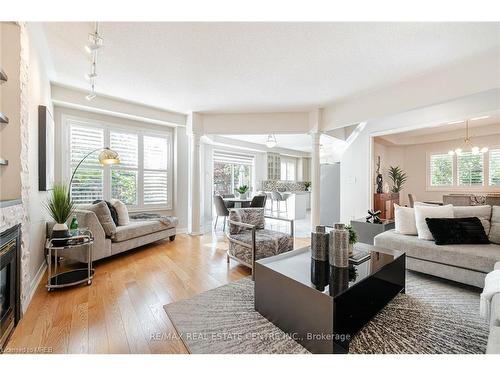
(10,301)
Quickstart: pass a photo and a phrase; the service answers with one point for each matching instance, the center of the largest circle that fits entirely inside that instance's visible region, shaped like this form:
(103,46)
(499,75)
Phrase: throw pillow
(112,210)
(404,218)
(466,230)
(104,216)
(122,211)
(481,212)
(494,235)
(423,212)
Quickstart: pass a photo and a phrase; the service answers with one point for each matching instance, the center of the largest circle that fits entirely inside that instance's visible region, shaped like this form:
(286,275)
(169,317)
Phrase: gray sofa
(127,237)
(466,264)
(494,337)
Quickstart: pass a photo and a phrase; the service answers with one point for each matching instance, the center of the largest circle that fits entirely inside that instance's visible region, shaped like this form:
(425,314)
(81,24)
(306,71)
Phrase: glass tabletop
(299,266)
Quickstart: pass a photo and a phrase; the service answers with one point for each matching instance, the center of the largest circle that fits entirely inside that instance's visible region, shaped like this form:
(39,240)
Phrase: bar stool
(278,198)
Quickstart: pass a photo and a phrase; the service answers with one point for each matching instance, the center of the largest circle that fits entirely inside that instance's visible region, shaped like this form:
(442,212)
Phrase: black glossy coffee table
(325,315)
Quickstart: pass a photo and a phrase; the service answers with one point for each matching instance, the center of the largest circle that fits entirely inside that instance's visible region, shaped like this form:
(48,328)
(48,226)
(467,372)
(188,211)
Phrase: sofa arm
(88,219)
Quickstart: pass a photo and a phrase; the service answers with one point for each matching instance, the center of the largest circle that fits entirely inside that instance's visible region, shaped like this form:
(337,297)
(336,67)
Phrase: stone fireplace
(10,296)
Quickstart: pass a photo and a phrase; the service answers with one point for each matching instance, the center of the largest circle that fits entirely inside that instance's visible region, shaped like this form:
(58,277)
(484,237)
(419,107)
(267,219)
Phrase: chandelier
(475,150)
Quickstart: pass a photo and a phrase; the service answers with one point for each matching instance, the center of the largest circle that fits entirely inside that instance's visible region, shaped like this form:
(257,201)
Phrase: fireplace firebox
(10,306)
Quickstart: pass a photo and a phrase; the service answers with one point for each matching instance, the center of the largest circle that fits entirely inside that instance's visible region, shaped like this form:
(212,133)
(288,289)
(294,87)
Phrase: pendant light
(475,150)
(271,141)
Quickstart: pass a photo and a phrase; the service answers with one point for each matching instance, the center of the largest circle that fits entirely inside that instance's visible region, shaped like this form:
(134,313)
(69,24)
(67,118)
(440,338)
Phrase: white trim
(113,126)
(34,285)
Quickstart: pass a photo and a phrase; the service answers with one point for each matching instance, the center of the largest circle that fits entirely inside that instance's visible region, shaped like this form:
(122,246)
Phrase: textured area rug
(434,316)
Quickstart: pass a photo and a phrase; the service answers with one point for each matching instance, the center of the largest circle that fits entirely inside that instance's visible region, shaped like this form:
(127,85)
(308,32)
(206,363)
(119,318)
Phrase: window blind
(155,170)
(494,167)
(441,170)
(470,169)
(232,158)
(88,183)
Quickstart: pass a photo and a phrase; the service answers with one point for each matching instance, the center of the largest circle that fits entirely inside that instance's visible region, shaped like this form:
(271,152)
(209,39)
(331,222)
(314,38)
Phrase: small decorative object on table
(307,185)
(69,277)
(373,217)
(339,246)
(379,177)
(243,191)
(319,257)
(60,207)
(353,238)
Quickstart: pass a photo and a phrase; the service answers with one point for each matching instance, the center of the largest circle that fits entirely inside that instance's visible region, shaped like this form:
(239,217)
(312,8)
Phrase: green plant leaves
(59,204)
(398,177)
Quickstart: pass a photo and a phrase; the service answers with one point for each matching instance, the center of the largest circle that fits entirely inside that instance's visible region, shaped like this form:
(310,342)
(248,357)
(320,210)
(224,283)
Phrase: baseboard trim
(34,284)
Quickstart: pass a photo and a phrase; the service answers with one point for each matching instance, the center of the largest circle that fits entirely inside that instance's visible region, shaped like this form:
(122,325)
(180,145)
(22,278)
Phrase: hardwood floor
(122,311)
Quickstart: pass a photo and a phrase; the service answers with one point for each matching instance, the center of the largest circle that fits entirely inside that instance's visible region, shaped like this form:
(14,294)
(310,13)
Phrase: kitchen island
(297,202)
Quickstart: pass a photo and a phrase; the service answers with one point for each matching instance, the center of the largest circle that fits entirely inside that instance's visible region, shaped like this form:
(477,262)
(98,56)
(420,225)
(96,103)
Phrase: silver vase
(339,246)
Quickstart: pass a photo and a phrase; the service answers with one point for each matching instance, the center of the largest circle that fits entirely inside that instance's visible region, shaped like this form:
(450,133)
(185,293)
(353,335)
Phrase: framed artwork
(45,149)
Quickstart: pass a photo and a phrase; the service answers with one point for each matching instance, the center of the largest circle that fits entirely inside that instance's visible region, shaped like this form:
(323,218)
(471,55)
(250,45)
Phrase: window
(441,170)
(141,180)
(88,182)
(494,168)
(288,169)
(231,171)
(470,169)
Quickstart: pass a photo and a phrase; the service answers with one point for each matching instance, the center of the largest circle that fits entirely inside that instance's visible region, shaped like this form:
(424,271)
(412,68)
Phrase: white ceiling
(237,67)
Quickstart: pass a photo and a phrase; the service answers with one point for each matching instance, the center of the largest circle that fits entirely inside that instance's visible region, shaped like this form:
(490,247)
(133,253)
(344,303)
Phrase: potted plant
(307,185)
(353,238)
(243,191)
(60,207)
(398,177)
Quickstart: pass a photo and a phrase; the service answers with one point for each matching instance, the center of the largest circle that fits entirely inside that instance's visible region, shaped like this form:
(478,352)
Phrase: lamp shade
(108,156)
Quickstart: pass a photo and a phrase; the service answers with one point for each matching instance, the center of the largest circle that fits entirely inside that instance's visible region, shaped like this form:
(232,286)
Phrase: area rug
(435,316)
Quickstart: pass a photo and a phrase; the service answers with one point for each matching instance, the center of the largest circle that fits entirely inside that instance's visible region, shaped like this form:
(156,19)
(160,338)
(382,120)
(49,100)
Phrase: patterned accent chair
(248,239)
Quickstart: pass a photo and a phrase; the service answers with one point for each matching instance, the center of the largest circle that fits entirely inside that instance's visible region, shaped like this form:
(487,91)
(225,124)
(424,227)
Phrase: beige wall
(413,159)
(10,134)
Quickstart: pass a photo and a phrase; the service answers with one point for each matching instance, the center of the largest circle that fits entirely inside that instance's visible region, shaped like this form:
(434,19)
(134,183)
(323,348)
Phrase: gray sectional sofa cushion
(494,235)
(137,228)
(481,212)
(104,216)
(480,258)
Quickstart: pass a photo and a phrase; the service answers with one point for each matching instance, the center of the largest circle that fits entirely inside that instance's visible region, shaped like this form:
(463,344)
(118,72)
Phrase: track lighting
(95,42)
(271,141)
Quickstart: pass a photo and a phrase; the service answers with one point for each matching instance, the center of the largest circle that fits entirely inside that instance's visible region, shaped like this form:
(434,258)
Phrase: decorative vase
(379,183)
(319,258)
(244,195)
(339,246)
(60,230)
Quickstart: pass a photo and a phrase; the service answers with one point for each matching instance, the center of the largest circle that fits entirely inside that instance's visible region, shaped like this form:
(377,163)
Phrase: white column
(194,227)
(315,179)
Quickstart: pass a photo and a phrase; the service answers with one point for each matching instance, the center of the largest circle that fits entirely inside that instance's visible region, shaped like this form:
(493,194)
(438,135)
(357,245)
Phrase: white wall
(255,123)
(38,94)
(356,163)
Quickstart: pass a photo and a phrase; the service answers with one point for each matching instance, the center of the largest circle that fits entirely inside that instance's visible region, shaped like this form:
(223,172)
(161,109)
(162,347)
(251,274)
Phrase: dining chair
(279,198)
(411,199)
(228,204)
(259,201)
(221,210)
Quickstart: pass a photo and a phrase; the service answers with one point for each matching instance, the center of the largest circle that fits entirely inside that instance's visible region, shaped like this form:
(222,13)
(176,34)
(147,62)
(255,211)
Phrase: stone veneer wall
(25,221)
(276,185)
(13,215)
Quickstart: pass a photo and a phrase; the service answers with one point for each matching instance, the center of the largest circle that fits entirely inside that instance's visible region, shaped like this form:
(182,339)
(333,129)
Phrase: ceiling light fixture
(95,42)
(271,141)
(475,150)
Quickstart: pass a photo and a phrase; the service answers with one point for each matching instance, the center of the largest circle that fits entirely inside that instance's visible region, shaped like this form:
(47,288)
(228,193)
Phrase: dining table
(238,202)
